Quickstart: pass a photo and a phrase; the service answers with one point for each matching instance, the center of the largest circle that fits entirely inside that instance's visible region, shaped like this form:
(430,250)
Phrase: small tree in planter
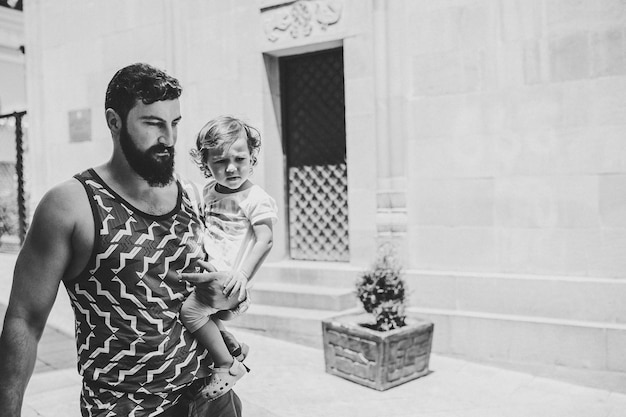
(390,350)
(381,291)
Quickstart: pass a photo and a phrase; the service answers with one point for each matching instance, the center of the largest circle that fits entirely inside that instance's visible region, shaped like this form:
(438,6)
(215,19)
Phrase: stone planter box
(379,360)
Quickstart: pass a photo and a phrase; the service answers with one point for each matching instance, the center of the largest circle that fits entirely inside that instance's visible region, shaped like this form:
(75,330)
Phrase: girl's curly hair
(221,130)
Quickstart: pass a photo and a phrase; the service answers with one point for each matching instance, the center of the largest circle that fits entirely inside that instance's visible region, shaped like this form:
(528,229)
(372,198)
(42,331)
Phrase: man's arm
(40,266)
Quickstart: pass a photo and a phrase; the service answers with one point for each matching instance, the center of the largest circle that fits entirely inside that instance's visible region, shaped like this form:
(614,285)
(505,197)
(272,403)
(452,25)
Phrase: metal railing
(13,213)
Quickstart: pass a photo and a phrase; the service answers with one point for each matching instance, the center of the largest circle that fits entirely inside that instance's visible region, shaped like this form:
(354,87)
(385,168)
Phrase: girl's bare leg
(210,337)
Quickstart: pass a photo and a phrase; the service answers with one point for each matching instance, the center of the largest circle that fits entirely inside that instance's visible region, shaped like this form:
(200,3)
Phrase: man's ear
(114,121)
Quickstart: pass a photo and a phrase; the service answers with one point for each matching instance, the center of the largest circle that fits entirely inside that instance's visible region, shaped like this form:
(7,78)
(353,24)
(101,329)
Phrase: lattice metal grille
(312,91)
(318,212)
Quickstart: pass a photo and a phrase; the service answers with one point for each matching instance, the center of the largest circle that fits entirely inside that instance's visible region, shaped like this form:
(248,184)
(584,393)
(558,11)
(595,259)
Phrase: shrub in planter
(381,347)
(381,291)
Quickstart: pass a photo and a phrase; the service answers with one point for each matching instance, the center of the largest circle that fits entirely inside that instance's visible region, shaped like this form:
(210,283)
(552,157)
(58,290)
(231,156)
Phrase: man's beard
(157,171)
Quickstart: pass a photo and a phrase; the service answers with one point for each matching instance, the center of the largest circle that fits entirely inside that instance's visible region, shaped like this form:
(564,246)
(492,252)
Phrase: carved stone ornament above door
(300,18)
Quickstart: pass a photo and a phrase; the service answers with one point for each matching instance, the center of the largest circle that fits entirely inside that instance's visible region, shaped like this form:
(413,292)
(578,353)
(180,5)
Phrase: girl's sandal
(223,379)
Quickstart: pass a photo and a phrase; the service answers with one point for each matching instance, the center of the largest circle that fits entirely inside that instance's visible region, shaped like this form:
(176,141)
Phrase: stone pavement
(288,380)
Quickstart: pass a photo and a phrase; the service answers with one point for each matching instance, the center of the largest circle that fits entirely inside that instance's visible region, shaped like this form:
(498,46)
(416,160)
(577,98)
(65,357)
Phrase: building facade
(483,138)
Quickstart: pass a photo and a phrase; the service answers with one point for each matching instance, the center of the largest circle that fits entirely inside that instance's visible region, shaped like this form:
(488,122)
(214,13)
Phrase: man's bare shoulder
(68,188)
(60,236)
(65,202)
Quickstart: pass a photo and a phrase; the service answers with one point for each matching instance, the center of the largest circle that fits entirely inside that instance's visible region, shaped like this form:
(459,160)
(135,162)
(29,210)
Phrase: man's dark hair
(139,82)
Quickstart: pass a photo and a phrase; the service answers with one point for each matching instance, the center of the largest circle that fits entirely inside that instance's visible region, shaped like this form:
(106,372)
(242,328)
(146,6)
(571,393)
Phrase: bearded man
(118,236)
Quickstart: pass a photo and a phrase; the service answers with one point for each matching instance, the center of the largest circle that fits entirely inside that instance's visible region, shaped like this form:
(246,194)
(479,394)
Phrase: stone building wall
(517,113)
(484,137)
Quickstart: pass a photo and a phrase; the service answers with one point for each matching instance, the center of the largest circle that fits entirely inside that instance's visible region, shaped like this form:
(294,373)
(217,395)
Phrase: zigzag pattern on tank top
(130,342)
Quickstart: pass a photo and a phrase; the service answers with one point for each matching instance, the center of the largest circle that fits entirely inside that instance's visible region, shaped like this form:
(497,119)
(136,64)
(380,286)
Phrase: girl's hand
(237,283)
(211,283)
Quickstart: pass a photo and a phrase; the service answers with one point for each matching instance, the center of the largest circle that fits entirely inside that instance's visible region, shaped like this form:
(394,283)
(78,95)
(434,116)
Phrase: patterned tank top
(133,352)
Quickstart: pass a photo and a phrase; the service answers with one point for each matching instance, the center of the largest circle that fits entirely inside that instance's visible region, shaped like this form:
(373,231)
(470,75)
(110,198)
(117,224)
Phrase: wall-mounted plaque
(80,125)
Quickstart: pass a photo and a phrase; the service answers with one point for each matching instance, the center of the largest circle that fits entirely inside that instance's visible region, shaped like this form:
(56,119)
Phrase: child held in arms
(239,217)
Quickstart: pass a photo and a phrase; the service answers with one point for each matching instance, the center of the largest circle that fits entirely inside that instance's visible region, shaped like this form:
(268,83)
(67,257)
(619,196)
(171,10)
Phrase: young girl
(238,216)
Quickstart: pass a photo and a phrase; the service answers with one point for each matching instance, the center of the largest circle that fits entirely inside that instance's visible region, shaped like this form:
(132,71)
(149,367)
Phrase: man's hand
(211,286)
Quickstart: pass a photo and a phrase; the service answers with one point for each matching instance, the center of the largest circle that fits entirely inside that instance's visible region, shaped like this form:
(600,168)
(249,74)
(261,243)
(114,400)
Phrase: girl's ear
(114,121)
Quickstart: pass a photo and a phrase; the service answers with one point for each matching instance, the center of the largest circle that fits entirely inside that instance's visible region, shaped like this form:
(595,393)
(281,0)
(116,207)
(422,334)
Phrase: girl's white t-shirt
(228,218)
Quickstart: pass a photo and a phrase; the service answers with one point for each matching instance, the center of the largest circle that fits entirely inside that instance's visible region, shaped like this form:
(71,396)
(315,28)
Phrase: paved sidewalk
(288,380)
